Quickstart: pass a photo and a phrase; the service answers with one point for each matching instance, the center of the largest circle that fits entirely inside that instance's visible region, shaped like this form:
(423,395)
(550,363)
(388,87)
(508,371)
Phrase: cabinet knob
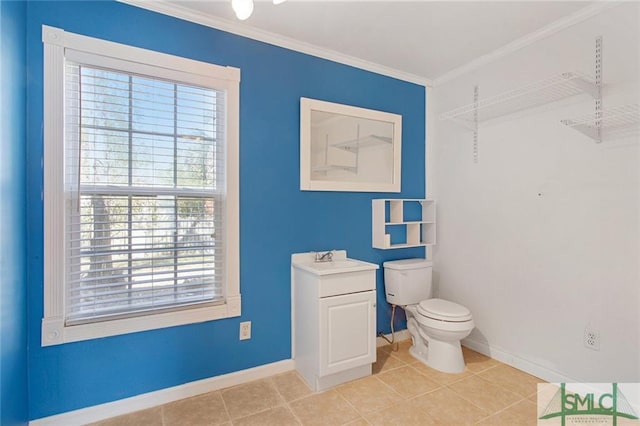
(374,305)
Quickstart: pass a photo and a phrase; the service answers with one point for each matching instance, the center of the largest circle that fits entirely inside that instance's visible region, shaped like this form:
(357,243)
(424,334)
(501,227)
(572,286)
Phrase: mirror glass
(345,148)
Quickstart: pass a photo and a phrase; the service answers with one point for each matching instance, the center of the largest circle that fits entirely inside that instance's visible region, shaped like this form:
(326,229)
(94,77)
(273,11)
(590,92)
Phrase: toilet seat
(443,310)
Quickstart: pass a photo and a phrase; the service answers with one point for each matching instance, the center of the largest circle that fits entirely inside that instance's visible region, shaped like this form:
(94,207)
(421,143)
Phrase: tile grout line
(257,412)
(270,381)
(307,386)
(502,410)
(224,404)
(408,398)
(286,403)
(390,388)
(438,385)
(352,406)
(469,401)
(293,413)
(466,399)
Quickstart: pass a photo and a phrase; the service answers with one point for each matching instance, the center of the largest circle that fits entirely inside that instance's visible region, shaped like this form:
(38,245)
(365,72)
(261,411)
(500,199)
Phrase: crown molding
(544,32)
(181,12)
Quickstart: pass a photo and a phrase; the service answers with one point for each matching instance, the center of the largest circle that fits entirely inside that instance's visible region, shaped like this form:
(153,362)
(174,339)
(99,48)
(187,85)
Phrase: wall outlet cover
(245,330)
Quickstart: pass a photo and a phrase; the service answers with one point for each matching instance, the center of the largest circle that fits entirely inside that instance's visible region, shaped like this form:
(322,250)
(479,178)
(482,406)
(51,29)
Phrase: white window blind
(145,193)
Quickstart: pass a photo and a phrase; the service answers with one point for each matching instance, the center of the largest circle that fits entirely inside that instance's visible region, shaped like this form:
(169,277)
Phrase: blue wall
(13,288)
(276,219)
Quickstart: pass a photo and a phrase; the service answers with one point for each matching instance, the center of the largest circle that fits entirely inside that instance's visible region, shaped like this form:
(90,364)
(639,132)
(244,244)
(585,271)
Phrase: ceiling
(426,39)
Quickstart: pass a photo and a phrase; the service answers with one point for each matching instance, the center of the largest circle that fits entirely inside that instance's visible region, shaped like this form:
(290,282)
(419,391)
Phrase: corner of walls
(14,408)
(431,127)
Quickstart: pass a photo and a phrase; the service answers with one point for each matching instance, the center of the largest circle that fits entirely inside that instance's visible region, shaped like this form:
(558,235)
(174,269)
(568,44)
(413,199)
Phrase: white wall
(541,237)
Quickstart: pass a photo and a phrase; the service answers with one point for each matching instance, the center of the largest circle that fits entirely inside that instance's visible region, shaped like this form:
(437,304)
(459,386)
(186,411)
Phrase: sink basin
(340,264)
(334,264)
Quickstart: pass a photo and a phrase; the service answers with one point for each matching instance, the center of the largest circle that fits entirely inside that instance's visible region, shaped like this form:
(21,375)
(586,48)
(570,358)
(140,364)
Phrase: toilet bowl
(436,325)
(439,335)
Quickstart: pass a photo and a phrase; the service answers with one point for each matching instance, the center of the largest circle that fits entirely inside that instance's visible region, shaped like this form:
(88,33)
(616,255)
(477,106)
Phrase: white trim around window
(58,44)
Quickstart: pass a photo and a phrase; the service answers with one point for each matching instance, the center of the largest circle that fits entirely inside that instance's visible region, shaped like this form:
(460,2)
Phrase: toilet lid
(443,310)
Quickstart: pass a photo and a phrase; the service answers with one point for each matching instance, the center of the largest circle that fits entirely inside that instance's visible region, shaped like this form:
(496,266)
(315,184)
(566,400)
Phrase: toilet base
(437,343)
(442,356)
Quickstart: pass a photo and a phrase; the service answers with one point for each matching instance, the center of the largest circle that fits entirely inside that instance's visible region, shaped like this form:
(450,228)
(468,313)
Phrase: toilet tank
(407,281)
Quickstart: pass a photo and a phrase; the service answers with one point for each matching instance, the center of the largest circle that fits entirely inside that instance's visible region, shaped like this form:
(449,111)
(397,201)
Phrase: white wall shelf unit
(412,220)
(610,123)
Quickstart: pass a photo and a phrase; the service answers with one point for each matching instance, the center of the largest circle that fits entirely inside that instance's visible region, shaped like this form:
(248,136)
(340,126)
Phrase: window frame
(57,43)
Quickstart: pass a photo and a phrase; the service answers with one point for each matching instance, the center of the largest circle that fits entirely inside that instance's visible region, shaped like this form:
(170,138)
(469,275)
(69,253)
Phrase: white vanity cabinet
(333,319)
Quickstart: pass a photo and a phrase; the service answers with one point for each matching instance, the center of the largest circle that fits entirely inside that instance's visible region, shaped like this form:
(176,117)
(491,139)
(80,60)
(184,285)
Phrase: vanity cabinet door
(347,332)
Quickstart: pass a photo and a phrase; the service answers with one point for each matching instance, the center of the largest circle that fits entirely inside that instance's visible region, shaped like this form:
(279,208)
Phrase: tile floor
(402,391)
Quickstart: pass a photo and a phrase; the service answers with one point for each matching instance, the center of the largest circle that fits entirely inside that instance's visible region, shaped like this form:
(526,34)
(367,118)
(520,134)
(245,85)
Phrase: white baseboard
(399,336)
(151,399)
(537,370)
(516,362)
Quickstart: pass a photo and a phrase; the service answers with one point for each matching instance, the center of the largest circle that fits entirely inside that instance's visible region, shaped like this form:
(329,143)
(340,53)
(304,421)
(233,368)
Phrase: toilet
(436,325)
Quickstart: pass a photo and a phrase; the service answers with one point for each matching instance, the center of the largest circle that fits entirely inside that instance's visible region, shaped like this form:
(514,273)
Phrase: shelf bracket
(593,133)
(467,124)
(587,87)
(475,123)
(598,115)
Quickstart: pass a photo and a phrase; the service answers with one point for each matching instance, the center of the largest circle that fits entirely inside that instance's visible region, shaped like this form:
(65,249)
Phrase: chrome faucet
(324,257)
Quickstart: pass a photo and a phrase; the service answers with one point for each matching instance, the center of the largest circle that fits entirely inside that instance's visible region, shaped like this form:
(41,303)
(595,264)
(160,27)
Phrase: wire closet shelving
(532,95)
(610,123)
(604,123)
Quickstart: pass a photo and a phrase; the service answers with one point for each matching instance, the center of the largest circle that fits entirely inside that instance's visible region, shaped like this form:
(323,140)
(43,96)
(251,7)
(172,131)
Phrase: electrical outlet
(245,330)
(592,339)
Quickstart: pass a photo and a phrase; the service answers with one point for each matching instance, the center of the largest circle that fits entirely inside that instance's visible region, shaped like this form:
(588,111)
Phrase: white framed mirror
(347,148)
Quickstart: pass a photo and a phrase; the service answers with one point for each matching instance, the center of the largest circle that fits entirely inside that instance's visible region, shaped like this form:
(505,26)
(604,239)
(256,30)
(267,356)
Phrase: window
(141,189)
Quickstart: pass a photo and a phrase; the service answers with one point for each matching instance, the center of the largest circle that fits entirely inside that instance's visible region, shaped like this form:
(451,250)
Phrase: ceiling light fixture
(244,8)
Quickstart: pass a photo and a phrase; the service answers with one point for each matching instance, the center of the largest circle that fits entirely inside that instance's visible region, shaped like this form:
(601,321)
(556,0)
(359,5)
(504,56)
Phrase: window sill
(54,331)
